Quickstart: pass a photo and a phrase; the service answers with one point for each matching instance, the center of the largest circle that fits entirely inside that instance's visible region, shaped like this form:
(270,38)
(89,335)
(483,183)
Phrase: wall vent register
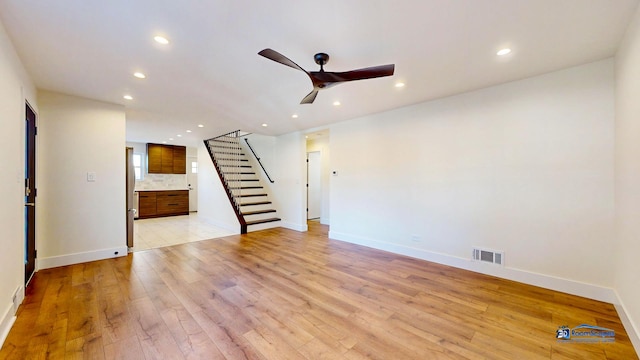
(488,256)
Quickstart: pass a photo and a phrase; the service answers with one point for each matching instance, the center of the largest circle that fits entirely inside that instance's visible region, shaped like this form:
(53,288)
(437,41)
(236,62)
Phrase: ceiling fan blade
(310,98)
(277,57)
(361,74)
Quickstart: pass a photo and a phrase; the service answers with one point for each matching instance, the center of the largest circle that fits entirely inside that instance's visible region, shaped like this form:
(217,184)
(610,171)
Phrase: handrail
(259,162)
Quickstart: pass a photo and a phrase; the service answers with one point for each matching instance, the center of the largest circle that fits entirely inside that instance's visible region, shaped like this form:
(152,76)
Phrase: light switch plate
(91,176)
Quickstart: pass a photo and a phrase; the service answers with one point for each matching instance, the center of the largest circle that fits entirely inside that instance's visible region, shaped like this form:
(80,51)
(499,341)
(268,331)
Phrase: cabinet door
(146,204)
(167,159)
(154,158)
(179,160)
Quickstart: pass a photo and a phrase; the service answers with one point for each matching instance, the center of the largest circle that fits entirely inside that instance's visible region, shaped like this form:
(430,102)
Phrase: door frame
(319,182)
(131,209)
(30,253)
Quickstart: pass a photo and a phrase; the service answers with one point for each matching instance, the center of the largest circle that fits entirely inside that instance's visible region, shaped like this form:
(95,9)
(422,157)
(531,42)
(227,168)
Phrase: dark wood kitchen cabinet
(179,160)
(166,159)
(163,203)
(146,204)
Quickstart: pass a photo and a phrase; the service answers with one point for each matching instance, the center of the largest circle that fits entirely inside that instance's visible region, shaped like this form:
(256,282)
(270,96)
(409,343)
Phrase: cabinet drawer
(172,202)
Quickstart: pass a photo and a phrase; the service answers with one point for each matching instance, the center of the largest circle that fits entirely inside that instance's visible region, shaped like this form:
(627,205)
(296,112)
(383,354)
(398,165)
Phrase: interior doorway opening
(318,176)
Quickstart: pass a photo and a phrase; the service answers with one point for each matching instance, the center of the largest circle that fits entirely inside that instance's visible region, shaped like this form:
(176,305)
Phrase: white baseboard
(629,326)
(294,226)
(77,258)
(545,281)
(6,322)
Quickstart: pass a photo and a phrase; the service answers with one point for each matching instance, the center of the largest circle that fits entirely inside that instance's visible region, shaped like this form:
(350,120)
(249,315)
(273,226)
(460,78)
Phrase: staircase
(243,186)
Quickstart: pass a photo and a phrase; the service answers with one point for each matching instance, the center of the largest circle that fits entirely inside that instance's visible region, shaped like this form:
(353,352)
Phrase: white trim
(632,330)
(591,291)
(77,258)
(6,323)
(294,226)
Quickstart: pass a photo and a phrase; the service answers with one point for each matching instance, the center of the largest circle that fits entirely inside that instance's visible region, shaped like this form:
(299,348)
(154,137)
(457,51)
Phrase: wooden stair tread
(228,153)
(258,212)
(251,195)
(255,222)
(226,147)
(256,203)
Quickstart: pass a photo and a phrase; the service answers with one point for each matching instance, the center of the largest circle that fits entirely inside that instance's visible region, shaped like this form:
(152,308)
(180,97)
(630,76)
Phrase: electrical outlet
(91,176)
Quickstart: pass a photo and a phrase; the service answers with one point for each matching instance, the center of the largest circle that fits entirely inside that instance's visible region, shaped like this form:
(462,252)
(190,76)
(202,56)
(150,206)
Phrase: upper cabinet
(179,160)
(166,159)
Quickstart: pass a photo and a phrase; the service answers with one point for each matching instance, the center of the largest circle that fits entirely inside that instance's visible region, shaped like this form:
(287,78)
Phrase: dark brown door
(131,206)
(30,195)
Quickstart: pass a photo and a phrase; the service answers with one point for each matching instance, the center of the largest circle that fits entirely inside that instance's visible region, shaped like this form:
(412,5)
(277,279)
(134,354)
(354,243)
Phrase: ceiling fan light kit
(326,79)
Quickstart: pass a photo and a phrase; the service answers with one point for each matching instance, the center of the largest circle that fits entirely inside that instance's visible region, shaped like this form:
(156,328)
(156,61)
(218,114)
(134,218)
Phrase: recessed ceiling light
(188,131)
(265,125)
(399,85)
(179,135)
(503,52)
(336,103)
(170,139)
(200,125)
(161,40)
(128,97)
(139,75)
(295,116)
(164,142)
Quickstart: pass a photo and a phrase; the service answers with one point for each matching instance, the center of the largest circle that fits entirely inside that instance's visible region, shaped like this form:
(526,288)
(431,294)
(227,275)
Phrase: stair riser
(259,216)
(264,226)
(236,192)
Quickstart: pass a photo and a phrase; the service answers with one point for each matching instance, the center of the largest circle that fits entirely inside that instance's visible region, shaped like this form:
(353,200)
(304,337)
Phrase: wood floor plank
(282,294)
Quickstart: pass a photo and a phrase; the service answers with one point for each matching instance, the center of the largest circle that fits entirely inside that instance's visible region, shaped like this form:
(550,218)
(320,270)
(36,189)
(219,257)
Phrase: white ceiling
(211,74)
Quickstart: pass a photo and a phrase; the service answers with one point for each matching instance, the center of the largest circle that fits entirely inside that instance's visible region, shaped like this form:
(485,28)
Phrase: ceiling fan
(325,79)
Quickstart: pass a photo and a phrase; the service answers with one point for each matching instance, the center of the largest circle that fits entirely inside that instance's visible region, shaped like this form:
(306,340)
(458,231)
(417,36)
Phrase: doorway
(192,182)
(30,194)
(314,185)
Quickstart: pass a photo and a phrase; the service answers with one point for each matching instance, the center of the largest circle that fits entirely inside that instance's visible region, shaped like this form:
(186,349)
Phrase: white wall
(15,87)
(290,178)
(525,167)
(321,144)
(78,220)
(213,204)
(627,180)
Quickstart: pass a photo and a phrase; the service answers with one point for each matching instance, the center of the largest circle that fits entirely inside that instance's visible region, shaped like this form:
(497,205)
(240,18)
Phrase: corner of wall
(9,317)
(630,327)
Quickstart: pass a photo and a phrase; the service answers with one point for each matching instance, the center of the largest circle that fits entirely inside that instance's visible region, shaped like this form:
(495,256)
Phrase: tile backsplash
(162,182)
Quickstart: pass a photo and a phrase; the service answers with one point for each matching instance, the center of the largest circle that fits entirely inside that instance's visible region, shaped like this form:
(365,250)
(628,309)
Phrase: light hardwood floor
(281,294)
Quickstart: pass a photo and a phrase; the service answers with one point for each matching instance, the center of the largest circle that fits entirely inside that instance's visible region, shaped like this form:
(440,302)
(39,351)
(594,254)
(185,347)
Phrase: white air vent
(489,256)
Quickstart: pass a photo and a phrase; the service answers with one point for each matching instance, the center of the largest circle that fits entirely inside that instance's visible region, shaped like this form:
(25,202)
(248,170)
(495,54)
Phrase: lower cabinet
(163,203)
